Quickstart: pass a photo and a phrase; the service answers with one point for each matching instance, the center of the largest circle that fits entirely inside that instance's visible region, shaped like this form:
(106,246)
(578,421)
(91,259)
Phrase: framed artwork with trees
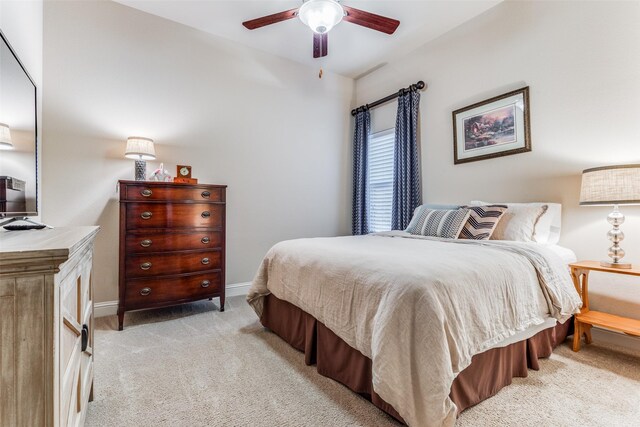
(492,128)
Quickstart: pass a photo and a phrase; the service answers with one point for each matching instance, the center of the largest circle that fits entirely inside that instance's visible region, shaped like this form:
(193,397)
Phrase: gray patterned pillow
(482,221)
(438,222)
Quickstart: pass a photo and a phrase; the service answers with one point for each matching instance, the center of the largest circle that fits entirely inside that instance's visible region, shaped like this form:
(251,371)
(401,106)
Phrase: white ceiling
(353,50)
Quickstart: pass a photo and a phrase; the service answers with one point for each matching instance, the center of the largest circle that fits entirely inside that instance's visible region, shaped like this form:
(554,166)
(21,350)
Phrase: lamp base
(141,170)
(615,264)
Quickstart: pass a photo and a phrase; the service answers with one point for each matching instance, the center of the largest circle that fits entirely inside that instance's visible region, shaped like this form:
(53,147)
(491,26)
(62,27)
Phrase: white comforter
(419,307)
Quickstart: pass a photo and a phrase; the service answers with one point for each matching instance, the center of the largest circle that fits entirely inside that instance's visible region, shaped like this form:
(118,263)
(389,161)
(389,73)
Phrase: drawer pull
(205,261)
(145,265)
(205,194)
(206,214)
(146,215)
(146,192)
(205,240)
(205,283)
(145,243)
(145,291)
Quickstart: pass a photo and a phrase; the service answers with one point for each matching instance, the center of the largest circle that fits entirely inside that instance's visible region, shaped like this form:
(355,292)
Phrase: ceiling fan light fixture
(321,15)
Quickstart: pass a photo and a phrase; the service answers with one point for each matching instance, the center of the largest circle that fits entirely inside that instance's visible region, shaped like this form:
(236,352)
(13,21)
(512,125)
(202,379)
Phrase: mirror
(18,137)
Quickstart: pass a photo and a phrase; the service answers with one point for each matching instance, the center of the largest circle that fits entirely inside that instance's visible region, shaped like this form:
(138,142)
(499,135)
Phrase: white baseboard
(107,308)
(605,337)
(110,308)
(237,289)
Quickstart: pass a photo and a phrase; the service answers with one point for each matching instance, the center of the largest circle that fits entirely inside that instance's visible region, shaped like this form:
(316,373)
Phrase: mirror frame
(35,115)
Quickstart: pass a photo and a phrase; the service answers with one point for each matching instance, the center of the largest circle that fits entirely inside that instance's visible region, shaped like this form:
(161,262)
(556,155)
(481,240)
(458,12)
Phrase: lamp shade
(140,148)
(5,137)
(321,15)
(611,185)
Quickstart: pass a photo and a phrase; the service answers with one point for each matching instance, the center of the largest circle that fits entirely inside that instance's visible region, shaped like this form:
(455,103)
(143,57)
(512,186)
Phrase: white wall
(21,23)
(582,64)
(267,127)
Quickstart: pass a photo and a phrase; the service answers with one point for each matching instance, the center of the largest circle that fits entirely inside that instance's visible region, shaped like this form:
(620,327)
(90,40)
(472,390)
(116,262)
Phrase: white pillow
(549,225)
(528,222)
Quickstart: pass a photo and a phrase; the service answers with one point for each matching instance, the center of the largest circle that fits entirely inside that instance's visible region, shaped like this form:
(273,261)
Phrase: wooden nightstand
(587,318)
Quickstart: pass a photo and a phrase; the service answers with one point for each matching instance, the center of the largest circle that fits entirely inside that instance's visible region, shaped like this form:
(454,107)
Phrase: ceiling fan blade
(370,20)
(270,19)
(320,45)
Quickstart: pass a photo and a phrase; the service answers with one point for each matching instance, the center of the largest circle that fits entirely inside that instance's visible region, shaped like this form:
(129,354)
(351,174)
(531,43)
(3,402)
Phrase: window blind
(380,159)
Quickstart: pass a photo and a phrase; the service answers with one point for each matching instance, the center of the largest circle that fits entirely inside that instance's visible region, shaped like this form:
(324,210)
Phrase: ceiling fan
(321,16)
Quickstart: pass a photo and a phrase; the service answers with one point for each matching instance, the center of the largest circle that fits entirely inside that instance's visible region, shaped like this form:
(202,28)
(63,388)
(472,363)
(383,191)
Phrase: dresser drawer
(171,263)
(149,292)
(173,215)
(159,242)
(172,192)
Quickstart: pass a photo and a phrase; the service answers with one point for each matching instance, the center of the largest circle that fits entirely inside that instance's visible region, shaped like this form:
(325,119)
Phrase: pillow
(445,207)
(549,225)
(429,206)
(547,229)
(482,221)
(438,222)
(518,222)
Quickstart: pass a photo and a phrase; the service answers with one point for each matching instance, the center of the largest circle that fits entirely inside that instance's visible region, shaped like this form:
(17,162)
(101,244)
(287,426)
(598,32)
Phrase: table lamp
(5,137)
(140,149)
(612,185)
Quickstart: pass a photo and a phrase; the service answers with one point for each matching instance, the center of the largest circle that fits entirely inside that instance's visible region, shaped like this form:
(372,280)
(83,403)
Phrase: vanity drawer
(149,292)
(173,215)
(168,241)
(172,192)
(172,263)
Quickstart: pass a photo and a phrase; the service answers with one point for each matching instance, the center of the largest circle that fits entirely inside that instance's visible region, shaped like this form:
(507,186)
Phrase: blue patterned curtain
(360,219)
(406,164)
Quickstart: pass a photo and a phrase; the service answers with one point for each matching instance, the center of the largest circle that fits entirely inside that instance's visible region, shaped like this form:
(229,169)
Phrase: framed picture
(493,128)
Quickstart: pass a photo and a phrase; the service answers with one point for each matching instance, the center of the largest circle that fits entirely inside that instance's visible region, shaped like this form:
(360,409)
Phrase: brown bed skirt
(488,373)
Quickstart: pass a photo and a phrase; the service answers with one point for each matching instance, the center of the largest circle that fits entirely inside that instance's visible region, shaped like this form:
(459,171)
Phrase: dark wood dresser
(12,197)
(172,244)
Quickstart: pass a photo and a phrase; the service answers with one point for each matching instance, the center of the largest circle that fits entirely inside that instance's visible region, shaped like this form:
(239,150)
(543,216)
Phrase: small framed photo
(493,128)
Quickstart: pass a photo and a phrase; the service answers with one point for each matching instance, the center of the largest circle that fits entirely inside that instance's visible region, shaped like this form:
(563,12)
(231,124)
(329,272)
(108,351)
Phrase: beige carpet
(194,366)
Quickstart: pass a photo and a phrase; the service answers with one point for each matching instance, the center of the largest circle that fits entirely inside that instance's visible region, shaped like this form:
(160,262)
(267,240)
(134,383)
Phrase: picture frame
(496,127)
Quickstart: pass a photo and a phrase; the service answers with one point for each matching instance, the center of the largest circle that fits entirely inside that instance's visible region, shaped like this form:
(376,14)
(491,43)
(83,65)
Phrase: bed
(424,327)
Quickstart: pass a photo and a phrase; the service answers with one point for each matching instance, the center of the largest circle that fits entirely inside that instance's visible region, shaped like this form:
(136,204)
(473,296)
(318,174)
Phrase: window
(380,179)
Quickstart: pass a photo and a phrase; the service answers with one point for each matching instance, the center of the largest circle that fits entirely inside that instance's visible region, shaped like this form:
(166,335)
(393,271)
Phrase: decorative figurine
(160,174)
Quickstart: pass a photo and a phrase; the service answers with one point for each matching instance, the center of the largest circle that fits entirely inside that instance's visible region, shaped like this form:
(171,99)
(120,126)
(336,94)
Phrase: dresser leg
(91,392)
(222,303)
(120,321)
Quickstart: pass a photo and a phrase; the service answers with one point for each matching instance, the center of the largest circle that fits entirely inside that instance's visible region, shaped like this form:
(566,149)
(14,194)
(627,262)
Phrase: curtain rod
(418,86)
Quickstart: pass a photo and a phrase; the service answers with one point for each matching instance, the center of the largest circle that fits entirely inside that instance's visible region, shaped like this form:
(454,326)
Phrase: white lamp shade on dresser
(5,137)
(139,148)
(611,185)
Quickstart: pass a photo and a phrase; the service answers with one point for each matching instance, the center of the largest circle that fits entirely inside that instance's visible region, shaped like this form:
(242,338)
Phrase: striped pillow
(482,221)
(438,222)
